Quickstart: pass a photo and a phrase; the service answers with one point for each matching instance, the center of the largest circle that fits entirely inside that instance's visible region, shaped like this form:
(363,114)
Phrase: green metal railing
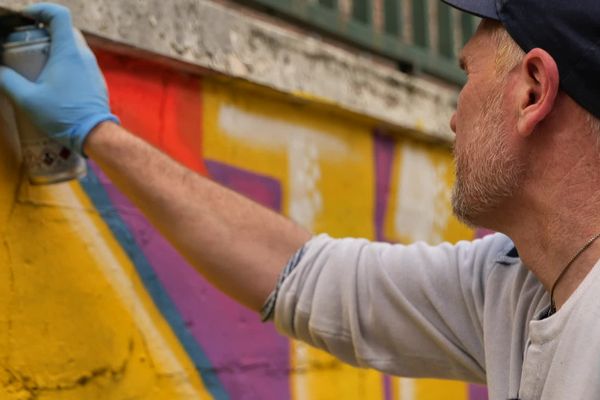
(421,35)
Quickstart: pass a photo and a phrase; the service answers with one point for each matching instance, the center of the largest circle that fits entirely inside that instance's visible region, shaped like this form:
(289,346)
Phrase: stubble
(487,173)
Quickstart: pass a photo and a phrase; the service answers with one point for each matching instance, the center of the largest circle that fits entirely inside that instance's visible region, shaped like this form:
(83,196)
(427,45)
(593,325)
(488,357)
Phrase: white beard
(487,173)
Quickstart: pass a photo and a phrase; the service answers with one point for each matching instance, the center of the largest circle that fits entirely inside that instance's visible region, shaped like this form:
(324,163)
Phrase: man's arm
(407,310)
(238,245)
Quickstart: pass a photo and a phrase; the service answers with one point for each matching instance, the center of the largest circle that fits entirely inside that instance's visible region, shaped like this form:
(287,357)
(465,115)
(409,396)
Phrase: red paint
(158,104)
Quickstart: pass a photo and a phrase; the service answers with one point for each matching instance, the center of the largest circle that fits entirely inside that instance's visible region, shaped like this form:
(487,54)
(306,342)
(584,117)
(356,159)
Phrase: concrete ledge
(214,37)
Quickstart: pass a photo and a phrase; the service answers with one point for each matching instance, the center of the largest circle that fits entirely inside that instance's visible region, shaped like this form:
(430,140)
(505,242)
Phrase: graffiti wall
(97,305)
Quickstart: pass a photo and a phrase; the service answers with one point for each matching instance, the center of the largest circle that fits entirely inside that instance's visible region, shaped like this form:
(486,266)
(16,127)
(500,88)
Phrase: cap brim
(480,8)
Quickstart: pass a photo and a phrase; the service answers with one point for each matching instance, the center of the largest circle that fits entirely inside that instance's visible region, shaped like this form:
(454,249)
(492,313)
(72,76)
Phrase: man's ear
(538,88)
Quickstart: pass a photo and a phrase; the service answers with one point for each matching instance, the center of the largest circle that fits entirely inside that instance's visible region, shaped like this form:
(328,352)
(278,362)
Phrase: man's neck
(558,216)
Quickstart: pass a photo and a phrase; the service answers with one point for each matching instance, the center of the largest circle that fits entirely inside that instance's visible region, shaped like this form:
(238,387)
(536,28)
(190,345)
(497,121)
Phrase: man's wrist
(96,135)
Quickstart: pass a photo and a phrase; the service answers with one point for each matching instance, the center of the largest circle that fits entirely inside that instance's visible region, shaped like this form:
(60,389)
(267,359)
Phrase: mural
(101,306)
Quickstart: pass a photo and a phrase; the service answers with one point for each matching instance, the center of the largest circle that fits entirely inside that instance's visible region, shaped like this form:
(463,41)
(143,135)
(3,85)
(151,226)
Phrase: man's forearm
(238,245)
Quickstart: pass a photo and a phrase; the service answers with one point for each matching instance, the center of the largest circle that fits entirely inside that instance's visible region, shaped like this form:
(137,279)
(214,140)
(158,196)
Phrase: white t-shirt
(469,311)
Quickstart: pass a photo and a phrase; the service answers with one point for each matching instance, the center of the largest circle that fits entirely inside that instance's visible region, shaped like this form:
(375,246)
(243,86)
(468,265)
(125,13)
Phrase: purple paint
(477,392)
(262,189)
(384,161)
(251,358)
(481,232)
(387,388)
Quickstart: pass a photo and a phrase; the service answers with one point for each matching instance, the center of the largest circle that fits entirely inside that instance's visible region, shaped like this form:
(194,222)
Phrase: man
(527,154)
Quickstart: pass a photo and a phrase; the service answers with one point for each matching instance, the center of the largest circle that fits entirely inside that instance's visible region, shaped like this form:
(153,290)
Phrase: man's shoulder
(493,249)
(502,250)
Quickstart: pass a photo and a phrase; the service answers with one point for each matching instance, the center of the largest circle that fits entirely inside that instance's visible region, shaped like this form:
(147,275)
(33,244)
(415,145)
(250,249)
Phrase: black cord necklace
(564,270)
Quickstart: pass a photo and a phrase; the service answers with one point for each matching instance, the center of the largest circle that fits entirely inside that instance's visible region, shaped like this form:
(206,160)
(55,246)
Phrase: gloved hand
(70,97)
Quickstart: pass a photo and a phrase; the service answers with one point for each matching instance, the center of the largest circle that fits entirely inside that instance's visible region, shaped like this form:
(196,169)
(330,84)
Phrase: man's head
(568,30)
(509,95)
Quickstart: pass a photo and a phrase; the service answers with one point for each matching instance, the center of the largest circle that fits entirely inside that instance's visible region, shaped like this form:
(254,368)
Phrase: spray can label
(47,161)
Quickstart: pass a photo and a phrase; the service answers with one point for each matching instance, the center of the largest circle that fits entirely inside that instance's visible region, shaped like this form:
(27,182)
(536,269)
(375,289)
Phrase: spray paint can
(26,50)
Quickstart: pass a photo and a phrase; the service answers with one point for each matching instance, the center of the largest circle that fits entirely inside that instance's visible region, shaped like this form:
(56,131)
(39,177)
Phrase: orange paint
(163,107)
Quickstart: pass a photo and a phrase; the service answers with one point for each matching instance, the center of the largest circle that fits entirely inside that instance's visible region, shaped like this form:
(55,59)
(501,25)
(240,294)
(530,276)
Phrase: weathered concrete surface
(210,36)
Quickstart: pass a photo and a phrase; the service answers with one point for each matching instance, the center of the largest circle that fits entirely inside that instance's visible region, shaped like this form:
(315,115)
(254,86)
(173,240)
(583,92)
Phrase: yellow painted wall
(259,133)
(75,322)
(80,314)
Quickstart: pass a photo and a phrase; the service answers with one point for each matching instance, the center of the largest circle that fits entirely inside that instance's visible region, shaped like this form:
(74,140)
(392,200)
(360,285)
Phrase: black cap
(569,30)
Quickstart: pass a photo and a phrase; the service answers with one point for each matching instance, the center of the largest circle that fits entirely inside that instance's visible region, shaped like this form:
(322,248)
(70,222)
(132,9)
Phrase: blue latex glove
(69,98)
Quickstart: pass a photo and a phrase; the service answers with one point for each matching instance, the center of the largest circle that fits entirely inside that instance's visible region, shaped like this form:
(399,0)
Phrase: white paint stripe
(165,361)
(421,206)
(407,389)
(269,133)
(305,148)
(303,369)
(306,201)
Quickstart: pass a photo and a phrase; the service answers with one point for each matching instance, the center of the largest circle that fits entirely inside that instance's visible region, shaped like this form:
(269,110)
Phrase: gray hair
(509,55)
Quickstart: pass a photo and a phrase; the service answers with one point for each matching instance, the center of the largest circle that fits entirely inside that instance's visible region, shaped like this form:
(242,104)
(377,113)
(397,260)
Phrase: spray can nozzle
(13,21)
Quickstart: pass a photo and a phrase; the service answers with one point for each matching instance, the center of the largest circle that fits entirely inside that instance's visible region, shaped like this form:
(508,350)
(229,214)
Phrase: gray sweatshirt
(469,311)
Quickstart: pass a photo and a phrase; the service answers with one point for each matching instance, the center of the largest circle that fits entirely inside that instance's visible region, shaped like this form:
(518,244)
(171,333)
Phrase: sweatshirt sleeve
(412,310)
